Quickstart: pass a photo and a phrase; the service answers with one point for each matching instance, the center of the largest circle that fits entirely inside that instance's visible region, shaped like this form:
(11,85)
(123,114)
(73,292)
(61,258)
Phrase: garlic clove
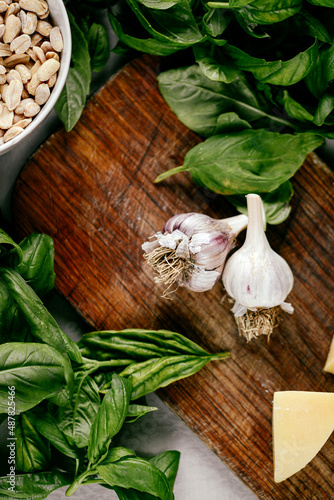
(257,278)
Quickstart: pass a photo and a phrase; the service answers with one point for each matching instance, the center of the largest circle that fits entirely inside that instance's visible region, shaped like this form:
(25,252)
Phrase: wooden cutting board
(92,190)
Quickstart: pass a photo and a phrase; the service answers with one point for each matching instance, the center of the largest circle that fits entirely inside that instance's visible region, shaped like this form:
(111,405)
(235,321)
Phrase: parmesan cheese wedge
(329,365)
(302,423)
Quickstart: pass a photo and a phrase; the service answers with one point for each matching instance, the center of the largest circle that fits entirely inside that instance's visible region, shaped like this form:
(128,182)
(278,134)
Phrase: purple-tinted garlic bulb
(192,249)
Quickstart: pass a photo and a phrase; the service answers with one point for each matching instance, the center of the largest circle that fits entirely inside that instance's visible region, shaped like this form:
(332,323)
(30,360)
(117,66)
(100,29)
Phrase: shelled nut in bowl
(35,55)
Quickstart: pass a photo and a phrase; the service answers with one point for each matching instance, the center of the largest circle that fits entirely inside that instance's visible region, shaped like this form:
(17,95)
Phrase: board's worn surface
(92,190)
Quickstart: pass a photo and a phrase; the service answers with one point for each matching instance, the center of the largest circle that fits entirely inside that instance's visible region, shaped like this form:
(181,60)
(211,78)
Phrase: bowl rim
(65,61)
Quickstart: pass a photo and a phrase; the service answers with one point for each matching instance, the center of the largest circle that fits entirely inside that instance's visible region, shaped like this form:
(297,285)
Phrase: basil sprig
(70,401)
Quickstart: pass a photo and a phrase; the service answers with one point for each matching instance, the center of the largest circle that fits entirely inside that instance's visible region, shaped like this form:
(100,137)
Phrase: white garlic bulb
(192,249)
(257,278)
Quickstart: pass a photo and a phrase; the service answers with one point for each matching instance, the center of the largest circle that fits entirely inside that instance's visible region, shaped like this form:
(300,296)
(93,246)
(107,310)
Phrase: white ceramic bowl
(59,18)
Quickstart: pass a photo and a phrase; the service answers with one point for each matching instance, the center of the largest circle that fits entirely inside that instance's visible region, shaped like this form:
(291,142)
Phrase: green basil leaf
(187,92)
(13,325)
(235,4)
(252,29)
(137,411)
(325,107)
(5,240)
(230,122)
(275,72)
(110,417)
(322,3)
(47,427)
(32,452)
(175,25)
(146,45)
(276,204)
(309,25)
(212,65)
(168,463)
(75,420)
(322,74)
(35,486)
(215,21)
(98,45)
(319,78)
(41,322)
(159,4)
(37,263)
(37,371)
(137,473)
(270,11)
(73,97)
(117,453)
(136,344)
(148,376)
(251,161)
(294,109)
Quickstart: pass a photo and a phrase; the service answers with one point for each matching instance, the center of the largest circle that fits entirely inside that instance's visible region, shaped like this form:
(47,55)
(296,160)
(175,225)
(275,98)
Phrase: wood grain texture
(92,191)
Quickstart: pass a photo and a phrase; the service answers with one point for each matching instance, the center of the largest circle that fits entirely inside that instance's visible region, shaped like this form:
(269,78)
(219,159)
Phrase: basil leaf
(230,122)
(136,344)
(325,107)
(32,453)
(275,204)
(168,463)
(148,376)
(137,411)
(42,324)
(75,420)
(159,4)
(146,45)
(322,3)
(322,74)
(117,453)
(13,325)
(35,486)
(187,92)
(47,427)
(251,161)
(295,109)
(215,21)
(37,263)
(137,473)
(36,370)
(212,66)
(5,239)
(98,45)
(275,72)
(175,25)
(309,25)
(73,97)
(270,11)
(110,417)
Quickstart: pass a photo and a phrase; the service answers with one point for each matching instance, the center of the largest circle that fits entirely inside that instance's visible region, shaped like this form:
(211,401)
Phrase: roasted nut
(56,39)
(13,28)
(13,94)
(6,116)
(42,93)
(15,59)
(44,28)
(24,72)
(20,44)
(12,132)
(48,68)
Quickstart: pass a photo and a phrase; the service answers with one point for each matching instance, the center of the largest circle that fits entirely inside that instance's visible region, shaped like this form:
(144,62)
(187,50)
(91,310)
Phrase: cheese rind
(302,423)
(329,365)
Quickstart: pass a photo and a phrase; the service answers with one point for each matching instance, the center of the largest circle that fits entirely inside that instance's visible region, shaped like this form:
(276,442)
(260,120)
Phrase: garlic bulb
(257,278)
(191,250)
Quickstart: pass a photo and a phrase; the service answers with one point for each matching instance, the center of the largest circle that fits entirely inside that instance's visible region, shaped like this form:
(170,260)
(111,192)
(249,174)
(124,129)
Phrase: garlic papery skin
(257,278)
(192,249)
